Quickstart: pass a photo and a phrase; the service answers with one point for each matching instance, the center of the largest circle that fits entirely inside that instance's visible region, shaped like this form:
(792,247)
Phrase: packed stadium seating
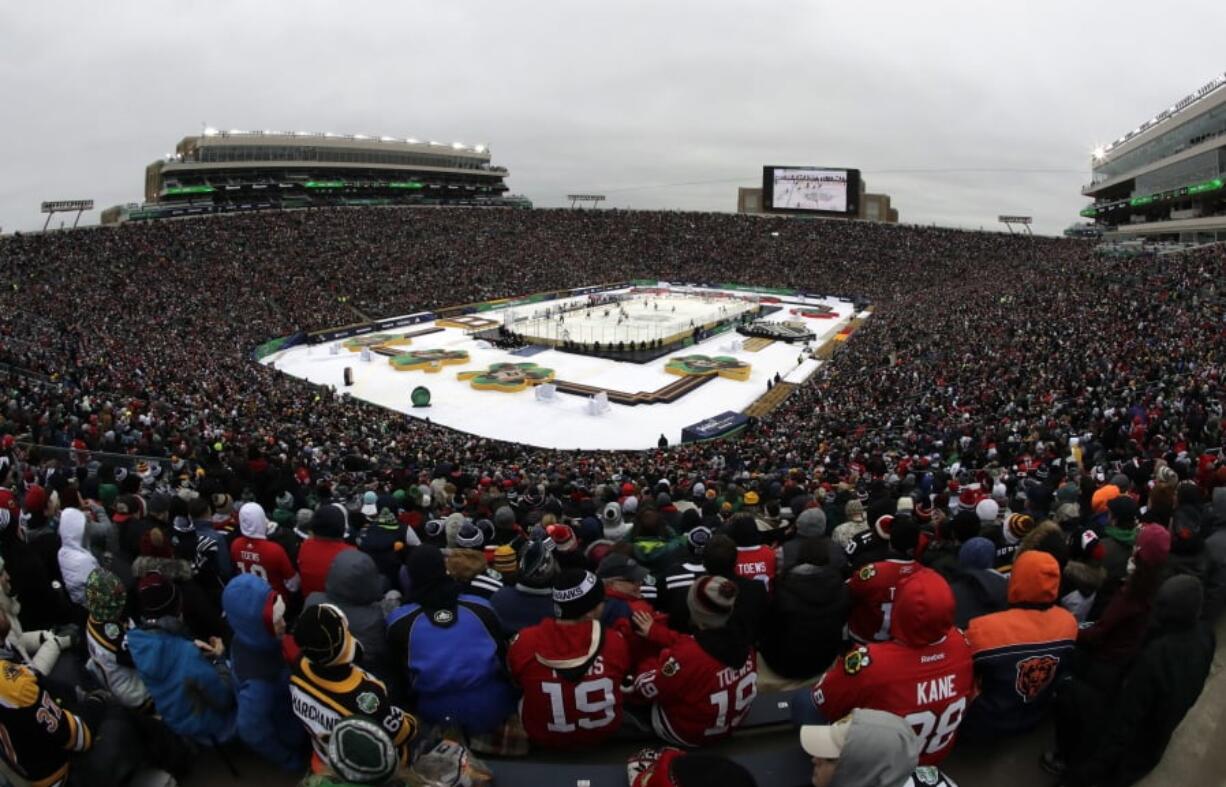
(988,359)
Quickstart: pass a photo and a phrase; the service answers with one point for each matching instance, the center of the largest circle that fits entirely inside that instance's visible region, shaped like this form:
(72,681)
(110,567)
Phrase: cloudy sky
(959,110)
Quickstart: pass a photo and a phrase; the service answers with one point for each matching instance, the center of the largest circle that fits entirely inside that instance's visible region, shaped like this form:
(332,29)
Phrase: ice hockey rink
(566,421)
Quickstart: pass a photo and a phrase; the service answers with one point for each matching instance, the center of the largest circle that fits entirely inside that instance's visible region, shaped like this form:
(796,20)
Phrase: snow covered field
(565,422)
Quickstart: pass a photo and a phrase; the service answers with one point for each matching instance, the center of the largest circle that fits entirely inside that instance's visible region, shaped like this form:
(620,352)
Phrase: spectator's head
(977,554)
(252,522)
(719,558)
(811,523)
(360,752)
(537,565)
(506,562)
(157,597)
(710,600)
(1179,602)
(813,552)
(904,534)
(322,634)
(744,530)
(105,596)
(1153,545)
(578,595)
(621,573)
(1016,527)
(867,747)
(1034,582)
(923,610)
(696,540)
(854,512)
(328,522)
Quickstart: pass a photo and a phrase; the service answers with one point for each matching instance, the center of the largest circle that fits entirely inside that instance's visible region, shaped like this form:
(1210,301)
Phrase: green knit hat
(361,752)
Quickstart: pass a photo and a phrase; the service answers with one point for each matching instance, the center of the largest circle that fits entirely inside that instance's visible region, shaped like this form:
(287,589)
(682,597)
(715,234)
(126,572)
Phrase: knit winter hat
(575,593)
(360,752)
(322,634)
(710,600)
(977,554)
(329,521)
(105,596)
(1179,601)
(505,560)
(537,566)
(469,536)
(1017,526)
(504,518)
(811,522)
(986,510)
(697,540)
(1153,545)
(157,596)
(563,537)
(854,511)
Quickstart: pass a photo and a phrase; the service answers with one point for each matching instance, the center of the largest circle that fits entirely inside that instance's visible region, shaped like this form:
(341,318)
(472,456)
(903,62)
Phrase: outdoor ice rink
(565,422)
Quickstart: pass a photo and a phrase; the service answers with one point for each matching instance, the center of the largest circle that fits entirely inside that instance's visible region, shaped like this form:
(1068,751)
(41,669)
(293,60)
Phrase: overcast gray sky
(647,102)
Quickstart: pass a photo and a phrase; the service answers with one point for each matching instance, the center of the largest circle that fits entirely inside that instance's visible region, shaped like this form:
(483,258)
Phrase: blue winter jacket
(455,662)
(263,676)
(194,696)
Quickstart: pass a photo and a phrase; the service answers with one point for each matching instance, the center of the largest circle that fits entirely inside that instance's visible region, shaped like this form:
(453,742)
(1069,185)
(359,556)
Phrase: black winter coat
(803,631)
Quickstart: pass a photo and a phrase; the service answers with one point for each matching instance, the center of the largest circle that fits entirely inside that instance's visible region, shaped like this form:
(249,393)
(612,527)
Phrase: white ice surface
(563,423)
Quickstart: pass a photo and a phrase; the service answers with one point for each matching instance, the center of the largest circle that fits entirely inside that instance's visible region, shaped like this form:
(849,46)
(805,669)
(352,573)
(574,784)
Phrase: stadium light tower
(66,206)
(595,199)
(1021,221)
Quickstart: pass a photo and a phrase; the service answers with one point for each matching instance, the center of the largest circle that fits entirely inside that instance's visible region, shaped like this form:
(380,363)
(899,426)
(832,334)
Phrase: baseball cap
(618,566)
(825,740)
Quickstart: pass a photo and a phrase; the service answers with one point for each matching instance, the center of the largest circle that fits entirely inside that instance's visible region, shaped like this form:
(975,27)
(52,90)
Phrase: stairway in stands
(767,402)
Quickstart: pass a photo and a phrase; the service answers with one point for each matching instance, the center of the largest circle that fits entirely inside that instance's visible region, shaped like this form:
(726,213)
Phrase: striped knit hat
(711,599)
(1017,526)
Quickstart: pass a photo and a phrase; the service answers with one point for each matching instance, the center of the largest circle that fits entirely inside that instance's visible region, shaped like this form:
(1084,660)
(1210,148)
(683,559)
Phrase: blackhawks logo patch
(856,660)
(1034,675)
(670,668)
(867,572)
(367,702)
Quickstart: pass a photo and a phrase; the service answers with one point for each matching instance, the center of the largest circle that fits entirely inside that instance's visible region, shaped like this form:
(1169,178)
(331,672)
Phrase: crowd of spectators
(1022,443)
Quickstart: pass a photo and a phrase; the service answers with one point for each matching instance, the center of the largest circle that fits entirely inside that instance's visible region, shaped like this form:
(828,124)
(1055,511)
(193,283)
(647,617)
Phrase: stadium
(331,462)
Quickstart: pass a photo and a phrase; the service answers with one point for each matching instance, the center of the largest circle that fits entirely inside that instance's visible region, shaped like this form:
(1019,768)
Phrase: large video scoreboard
(823,191)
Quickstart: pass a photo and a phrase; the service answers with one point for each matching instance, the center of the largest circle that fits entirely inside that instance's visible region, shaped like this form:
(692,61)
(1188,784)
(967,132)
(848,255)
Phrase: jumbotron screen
(818,190)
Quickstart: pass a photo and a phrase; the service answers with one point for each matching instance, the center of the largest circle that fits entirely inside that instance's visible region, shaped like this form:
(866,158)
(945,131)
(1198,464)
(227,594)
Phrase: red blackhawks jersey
(872,588)
(696,698)
(571,674)
(267,560)
(925,674)
(757,563)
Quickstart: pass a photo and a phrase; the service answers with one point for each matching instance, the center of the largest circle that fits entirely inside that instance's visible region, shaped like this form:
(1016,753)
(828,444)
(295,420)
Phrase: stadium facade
(226,171)
(1163,181)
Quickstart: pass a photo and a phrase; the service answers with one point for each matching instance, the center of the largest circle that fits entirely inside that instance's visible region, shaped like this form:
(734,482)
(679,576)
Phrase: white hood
(76,562)
(252,522)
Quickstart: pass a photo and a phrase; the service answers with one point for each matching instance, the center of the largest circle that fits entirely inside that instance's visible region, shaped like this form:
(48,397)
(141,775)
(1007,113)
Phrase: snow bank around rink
(565,422)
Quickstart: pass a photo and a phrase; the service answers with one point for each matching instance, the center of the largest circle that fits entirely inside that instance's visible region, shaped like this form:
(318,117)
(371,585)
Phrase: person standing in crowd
(924,673)
(803,632)
(874,586)
(1116,738)
(191,686)
(316,554)
(867,748)
(256,613)
(355,587)
(253,553)
(700,686)
(1022,652)
(451,648)
(326,688)
(571,668)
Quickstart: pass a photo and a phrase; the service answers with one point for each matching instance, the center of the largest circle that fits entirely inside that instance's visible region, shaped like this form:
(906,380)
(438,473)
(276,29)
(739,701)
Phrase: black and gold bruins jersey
(320,703)
(37,736)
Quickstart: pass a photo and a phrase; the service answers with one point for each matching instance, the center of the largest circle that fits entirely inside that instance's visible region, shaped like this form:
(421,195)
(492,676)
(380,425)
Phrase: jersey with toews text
(872,588)
(267,560)
(559,708)
(697,699)
(928,687)
(757,563)
(320,704)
